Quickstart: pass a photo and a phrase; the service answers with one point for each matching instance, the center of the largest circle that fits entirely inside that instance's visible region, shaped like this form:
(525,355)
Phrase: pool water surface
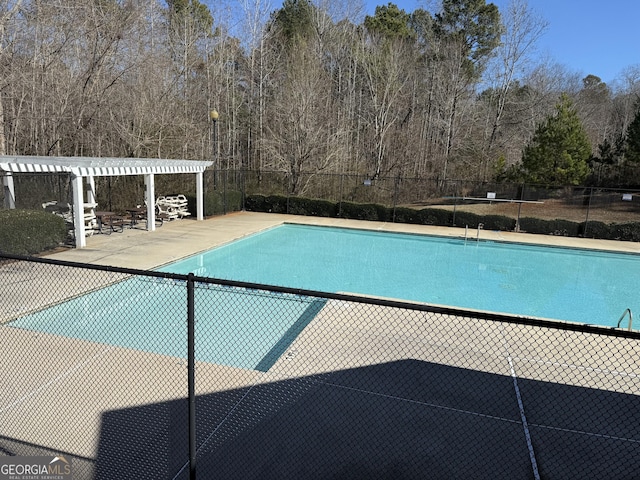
(577,285)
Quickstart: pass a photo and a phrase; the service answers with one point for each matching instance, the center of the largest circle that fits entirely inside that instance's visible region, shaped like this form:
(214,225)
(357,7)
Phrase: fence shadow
(408,419)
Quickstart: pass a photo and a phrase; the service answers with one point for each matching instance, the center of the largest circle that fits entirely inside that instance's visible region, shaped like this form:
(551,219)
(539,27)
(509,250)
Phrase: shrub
(26,232)
(234,200)
(407,215)
(559,227)
(213,204)
(499,222)
(436,216)
(276,204)
(629,232)
(534,225)
(325,208)
(594,230)
(384,214)
(360,211)
(440,217)
(467,219)
(255,203)
(565,228)
(311,207)
(298,206)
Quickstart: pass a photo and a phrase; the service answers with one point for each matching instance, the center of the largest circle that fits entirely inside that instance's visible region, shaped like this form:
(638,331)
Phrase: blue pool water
(577,285)
(233,326)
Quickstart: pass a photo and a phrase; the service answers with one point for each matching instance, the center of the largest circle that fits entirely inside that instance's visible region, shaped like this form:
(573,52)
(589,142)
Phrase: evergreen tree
(197,12)
(559,150)
(294,20)
(390,21)
(474,25)
(632,141)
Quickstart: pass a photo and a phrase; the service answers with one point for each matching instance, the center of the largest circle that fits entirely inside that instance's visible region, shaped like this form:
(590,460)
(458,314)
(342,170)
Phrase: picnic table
(137,214)
(112,222)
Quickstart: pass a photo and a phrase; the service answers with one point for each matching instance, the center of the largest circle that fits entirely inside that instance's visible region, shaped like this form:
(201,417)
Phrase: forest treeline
(311,87)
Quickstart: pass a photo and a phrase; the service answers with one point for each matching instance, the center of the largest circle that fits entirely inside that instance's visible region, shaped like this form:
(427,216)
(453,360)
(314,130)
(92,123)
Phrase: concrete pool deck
(385,374)
(137,248)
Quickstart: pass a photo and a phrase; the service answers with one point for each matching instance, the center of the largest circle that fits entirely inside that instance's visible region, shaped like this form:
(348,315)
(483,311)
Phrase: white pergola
(86,168)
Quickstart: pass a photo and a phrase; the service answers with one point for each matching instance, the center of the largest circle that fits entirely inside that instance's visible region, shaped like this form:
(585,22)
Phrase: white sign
(491,194)
(627,197)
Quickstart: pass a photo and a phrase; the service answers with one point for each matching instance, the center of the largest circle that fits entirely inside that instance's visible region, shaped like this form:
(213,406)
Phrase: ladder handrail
(624,314)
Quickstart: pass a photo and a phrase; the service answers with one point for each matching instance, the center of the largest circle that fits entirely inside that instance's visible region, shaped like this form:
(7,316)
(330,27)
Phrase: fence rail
(136,374)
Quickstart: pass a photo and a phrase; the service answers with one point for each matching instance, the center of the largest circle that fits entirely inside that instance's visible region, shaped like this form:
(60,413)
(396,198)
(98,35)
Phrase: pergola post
(150,201)
(199,196)
(78,211)
(9,191)
(91,191)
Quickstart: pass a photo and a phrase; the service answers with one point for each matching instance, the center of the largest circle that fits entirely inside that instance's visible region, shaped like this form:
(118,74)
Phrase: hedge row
(374,212)
(435,216)
(26,232)
(32,231)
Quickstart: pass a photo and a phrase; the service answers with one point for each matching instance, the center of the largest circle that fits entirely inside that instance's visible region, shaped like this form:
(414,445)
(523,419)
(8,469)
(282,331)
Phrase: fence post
(396,184)
(340,200)
(586,220)
(455,204)
(191,375)
(224,191)
(243,187)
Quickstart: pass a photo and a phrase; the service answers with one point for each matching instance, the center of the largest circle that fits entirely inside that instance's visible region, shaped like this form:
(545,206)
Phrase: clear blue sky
(599,37)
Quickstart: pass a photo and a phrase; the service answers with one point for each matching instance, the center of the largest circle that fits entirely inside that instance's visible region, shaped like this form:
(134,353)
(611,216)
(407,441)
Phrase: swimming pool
(577,285)
(234,327)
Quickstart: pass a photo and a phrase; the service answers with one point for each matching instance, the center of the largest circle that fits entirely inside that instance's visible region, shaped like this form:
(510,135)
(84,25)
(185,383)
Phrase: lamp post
(213,115)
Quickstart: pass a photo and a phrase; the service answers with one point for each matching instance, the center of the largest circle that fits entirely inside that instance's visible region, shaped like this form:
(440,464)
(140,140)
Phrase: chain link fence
(148,375)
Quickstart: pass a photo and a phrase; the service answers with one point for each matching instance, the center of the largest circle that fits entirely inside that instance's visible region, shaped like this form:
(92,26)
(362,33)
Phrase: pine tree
(390,21)
(295,20)
(559,150)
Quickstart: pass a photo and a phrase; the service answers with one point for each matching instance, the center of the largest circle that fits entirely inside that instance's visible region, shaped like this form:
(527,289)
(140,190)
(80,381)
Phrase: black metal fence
(227,191)
(135,374)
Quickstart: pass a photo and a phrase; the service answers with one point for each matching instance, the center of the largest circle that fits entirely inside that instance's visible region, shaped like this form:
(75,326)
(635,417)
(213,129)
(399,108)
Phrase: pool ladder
(466,231)
(624,314)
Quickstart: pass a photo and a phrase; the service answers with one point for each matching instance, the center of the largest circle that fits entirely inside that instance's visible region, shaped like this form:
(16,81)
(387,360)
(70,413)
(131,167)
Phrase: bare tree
(298,139)
(384,80)
(523,27)
(256,16)
(7,14)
